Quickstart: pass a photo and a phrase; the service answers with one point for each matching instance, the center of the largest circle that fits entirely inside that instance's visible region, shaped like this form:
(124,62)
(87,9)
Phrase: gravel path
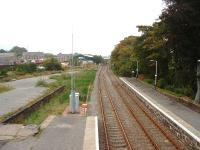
(24,91)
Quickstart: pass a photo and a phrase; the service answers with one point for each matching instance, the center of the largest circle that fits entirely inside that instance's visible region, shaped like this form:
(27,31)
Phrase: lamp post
(156,73)
(137,69)
(197,97)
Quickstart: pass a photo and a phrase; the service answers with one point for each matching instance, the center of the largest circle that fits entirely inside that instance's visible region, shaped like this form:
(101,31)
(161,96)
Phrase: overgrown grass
(14,75)
(166,89)
(55,107)
(57,104)
(5,88)
(42,83)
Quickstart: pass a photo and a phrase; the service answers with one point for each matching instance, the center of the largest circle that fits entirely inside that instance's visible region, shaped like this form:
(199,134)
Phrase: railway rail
(126,123)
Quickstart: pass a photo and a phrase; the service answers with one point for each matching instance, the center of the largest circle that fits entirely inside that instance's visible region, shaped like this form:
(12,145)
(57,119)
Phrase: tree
(152,45)
(18,50)
(27,68)
(182,21)
(3,51)
(52,64)
(98,59)
(122,57)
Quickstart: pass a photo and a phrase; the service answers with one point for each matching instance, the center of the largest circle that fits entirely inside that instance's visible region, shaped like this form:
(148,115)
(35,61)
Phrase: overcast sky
(98,25)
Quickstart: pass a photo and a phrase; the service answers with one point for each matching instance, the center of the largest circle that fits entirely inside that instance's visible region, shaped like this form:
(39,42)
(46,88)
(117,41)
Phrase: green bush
(42,83)
(162,83)
(27,68)
(52,64)
(3,72)
(150,81)
(169,87)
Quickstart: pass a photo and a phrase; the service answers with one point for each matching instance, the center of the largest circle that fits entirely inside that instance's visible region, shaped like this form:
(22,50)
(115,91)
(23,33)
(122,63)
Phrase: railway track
(126,124)
(115,135)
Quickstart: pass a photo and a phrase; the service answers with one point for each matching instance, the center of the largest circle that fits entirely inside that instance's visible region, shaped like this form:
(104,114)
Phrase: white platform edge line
(96,133)
(170,117)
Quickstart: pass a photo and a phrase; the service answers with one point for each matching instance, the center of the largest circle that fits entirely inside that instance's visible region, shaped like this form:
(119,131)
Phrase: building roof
(7,54)
(32,53)
(60,54)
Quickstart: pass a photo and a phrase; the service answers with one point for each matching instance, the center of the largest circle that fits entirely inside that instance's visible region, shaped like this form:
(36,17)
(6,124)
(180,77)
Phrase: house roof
(7,54)
(32,53)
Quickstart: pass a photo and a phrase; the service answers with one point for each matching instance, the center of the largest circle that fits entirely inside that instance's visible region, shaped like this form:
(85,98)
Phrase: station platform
(71,132)
(184,120)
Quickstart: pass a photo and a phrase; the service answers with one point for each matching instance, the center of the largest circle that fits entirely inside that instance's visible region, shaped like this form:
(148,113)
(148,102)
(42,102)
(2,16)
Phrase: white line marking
(197,138)
(96,133)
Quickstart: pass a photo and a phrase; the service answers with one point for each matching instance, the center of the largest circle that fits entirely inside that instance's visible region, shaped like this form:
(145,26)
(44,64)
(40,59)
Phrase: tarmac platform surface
(72,132)
(183,116)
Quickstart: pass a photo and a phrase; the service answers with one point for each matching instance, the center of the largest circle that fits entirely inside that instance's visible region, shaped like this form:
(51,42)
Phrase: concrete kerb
(195,134)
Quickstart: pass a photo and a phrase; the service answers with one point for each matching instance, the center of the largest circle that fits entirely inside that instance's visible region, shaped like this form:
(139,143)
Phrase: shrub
(3,72)
(52,64)
(150,81)
(162,83)
(42,83)
(27,68)
(4,88)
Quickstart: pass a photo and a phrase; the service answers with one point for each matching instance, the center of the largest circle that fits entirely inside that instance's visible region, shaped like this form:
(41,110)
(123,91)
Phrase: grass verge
(5,88)
(56,106)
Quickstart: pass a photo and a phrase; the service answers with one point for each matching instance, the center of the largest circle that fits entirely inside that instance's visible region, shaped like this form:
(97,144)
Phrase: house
(64,57)
(7,59)
(35,57)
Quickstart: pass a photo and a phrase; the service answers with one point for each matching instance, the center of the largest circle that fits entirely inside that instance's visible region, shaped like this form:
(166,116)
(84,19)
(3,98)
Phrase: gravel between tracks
(139,138)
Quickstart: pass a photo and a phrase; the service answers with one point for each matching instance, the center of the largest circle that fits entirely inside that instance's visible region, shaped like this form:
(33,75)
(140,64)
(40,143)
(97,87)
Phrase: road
(24,92)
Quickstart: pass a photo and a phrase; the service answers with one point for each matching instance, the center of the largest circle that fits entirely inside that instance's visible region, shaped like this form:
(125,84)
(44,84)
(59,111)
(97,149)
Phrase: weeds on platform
(5,88)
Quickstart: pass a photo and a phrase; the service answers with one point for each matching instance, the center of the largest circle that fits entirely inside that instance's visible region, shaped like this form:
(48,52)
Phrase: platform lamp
(156,73)
(137,69)
(197,97)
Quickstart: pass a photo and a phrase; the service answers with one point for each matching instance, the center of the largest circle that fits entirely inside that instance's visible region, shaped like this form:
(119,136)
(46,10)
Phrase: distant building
(63,57)
(35,57)
(7,59)
(86,63)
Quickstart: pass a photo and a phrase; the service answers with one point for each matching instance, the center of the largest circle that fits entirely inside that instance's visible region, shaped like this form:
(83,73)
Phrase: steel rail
(118,119)
(104,122)
(146,113)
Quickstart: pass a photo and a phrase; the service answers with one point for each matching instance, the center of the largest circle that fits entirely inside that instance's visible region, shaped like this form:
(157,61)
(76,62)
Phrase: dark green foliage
(174,42)
(52,64)
(182,22)
(3,51)
(123,57)
(162,83)
(98,59)
(27,68)
(3,72)
(18,50)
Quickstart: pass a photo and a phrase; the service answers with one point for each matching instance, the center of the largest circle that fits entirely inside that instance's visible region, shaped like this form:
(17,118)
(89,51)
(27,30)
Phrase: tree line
(173,40)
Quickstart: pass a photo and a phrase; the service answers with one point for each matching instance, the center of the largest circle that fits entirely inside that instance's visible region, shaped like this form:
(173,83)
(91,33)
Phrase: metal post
(137,70)
(156,74)
(197,97)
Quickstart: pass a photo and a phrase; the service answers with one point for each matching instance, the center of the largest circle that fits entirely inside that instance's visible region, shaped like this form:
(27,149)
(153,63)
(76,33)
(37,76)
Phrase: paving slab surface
(16,131)
(63,133)
(24,91)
